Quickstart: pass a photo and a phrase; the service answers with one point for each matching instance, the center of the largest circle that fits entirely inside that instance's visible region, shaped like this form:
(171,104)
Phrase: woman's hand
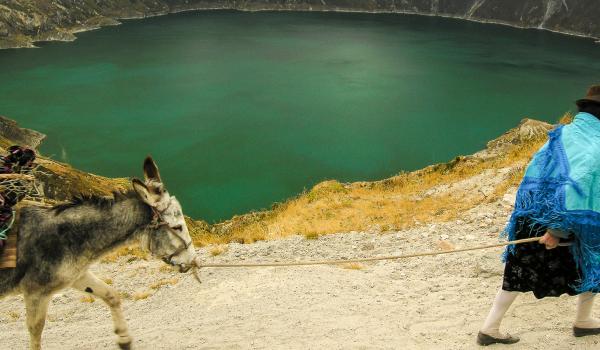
(550,241)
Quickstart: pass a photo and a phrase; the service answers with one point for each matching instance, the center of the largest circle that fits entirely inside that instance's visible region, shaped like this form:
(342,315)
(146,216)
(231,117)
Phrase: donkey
(57,245)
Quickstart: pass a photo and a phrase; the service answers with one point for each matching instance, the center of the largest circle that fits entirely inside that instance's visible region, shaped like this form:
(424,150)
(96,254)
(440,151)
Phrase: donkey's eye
(177,228)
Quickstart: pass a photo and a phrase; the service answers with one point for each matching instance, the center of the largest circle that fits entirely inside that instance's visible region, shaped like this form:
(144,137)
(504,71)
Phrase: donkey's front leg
(36,307)
(91,284)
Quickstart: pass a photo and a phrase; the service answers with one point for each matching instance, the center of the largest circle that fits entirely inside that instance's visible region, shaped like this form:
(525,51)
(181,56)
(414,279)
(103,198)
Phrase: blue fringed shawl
(561,190)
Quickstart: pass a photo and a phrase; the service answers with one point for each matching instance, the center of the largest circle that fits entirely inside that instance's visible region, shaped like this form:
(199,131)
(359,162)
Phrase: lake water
(242,110)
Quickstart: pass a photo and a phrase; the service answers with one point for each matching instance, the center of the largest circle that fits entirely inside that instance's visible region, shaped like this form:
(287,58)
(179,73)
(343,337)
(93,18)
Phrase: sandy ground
(421,303)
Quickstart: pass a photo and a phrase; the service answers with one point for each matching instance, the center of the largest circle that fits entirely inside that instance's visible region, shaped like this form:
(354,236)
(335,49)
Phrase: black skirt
(533,268)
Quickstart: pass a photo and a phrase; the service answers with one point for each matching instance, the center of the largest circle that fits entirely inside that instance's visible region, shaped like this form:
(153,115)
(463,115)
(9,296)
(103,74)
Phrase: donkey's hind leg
(36,307)
(89,283)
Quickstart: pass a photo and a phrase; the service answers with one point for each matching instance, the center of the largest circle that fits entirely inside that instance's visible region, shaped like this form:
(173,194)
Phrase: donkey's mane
(95,200)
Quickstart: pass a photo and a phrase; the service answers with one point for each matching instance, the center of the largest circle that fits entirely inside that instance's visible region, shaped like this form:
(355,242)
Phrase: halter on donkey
(57,245)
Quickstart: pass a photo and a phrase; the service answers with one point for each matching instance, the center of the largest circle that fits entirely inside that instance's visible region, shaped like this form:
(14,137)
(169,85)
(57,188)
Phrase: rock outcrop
(22,22)
(9,130)
(60,182)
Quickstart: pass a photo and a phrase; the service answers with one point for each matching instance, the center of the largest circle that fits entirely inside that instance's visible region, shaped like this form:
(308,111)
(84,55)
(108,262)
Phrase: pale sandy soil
(423,303)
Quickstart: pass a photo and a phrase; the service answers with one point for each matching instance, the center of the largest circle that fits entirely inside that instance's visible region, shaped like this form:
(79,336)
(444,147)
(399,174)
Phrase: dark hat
(593,96)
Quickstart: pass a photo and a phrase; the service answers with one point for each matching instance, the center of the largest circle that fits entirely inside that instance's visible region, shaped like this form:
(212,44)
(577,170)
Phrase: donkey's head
(168,237)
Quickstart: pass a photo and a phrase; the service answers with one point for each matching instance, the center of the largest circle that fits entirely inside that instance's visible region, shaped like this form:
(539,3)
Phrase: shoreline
(68,35)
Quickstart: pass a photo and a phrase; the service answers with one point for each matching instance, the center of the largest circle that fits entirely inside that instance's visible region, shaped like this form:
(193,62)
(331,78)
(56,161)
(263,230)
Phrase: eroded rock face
(24,21)
(527,130)
(9,130)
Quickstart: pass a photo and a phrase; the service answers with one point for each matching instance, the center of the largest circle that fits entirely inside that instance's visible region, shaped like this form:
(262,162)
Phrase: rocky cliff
(22,22)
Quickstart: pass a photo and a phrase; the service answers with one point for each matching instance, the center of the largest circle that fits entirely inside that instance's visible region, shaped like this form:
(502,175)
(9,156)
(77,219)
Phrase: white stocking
(584,319)
(503,301)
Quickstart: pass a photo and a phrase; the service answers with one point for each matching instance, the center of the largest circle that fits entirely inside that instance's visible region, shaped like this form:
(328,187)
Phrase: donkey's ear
(151,170)
(142,190)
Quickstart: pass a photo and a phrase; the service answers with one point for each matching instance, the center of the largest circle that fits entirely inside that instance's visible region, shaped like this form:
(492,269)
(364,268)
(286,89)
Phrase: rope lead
(199,265)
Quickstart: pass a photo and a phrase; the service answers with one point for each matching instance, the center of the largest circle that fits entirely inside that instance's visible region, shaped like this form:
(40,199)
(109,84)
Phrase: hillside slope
(23,22)
(438,193)
(421,303)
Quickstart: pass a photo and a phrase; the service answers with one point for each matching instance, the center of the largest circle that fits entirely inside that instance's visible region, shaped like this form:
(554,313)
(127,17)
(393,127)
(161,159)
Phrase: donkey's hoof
(124,341)
(125,346)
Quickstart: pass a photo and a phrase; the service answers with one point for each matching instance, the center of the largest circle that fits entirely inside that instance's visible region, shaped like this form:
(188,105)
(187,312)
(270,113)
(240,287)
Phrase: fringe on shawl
(542,200)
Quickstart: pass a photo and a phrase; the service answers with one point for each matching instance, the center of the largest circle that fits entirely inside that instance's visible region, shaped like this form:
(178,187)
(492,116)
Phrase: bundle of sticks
(16,182)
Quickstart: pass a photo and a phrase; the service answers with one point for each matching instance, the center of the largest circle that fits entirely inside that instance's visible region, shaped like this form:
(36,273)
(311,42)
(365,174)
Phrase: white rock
(509,198)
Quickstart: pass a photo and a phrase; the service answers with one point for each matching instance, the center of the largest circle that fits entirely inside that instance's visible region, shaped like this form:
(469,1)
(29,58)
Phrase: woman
(559,200)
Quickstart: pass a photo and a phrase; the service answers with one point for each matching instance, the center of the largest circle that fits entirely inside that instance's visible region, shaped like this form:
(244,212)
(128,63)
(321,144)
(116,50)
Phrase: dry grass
(166,268)
(218,249)
(108,281)
(142,295)
(243,235)
(87,299)
(311,235)
(13,315)
(566,119)
(324,189)
(445,246)
(75,182)
(396,203)
(353,266)
(164,282)
(132,252)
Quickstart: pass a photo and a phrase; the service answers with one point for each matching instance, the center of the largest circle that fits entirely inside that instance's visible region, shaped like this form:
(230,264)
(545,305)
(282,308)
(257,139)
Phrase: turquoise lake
(242,110)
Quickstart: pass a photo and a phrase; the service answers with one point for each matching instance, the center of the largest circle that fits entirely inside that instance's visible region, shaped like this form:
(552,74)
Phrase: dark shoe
(582,332)
(485,340)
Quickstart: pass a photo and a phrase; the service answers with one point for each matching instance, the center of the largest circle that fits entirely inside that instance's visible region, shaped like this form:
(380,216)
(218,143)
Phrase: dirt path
(423,303)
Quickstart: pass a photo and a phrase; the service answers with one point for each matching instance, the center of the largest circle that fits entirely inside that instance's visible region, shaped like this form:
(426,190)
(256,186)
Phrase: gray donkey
(57,245)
